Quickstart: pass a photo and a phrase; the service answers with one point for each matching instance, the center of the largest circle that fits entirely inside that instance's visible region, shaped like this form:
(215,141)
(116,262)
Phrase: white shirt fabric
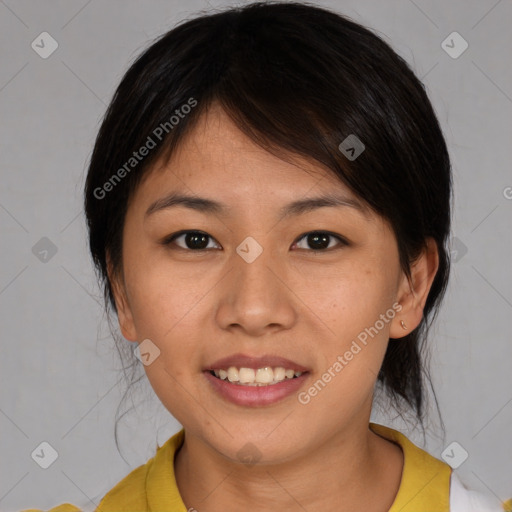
(466,500)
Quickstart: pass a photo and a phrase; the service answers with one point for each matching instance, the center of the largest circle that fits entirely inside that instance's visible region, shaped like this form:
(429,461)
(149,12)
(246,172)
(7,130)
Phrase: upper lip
(255,362)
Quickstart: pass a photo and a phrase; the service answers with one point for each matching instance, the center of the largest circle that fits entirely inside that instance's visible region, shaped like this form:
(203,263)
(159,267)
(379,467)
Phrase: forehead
(216,158)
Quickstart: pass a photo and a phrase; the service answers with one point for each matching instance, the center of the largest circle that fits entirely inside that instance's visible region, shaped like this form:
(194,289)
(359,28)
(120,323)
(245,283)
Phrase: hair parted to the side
(296,79)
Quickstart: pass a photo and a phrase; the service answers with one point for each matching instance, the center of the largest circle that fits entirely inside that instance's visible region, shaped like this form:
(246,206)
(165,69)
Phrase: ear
(412,293)
(124,313)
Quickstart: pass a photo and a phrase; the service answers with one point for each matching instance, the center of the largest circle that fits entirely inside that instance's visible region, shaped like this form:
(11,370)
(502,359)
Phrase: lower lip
(255,396)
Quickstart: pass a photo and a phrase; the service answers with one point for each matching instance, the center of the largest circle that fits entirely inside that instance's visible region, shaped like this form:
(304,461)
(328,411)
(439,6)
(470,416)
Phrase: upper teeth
(259,377)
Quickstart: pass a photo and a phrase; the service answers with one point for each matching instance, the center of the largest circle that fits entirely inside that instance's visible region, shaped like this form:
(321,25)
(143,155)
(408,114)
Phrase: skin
(291,301)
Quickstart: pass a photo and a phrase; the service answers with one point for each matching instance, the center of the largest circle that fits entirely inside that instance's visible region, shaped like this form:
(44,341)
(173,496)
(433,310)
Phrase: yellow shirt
(424,487)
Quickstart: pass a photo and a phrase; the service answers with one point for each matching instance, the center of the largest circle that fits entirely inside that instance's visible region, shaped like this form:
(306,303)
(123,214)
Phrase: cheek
(351,358)
(162,293)
(165,308)
(354,309)
(349,299)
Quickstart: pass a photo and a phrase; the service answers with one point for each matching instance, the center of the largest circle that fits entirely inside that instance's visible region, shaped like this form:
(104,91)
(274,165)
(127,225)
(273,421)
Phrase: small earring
(402,323)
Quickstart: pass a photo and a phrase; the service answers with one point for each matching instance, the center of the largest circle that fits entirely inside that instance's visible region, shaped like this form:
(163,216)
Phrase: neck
(354,470)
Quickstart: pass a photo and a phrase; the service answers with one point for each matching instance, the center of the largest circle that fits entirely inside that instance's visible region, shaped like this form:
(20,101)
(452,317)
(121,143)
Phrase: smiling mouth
(265,376)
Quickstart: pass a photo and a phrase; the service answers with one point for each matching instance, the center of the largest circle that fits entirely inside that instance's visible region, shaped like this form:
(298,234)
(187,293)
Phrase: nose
(256,297)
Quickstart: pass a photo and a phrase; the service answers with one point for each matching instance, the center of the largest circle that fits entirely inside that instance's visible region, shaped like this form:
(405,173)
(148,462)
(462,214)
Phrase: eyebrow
(299,207)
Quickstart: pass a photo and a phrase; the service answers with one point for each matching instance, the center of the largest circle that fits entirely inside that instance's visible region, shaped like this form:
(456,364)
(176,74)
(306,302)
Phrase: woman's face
(257,289)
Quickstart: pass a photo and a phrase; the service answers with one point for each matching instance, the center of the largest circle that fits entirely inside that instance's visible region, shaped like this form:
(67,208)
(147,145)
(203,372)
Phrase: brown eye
(321,240)
(316,241)
(189,240)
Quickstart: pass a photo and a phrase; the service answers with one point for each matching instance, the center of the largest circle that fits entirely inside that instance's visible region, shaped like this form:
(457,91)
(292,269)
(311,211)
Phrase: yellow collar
(424,487)
(425,483)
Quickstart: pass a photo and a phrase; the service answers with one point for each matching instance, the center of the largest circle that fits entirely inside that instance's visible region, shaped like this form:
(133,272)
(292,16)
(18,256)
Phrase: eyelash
(169,240)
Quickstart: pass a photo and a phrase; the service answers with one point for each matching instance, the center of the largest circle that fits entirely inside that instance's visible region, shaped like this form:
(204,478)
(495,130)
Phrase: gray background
(60,371)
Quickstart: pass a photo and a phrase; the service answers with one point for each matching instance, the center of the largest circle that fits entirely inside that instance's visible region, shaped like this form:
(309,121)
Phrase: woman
(268,204)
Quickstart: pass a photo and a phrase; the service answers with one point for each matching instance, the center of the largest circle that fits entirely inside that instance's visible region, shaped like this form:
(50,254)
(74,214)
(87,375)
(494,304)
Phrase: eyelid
(168,240)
